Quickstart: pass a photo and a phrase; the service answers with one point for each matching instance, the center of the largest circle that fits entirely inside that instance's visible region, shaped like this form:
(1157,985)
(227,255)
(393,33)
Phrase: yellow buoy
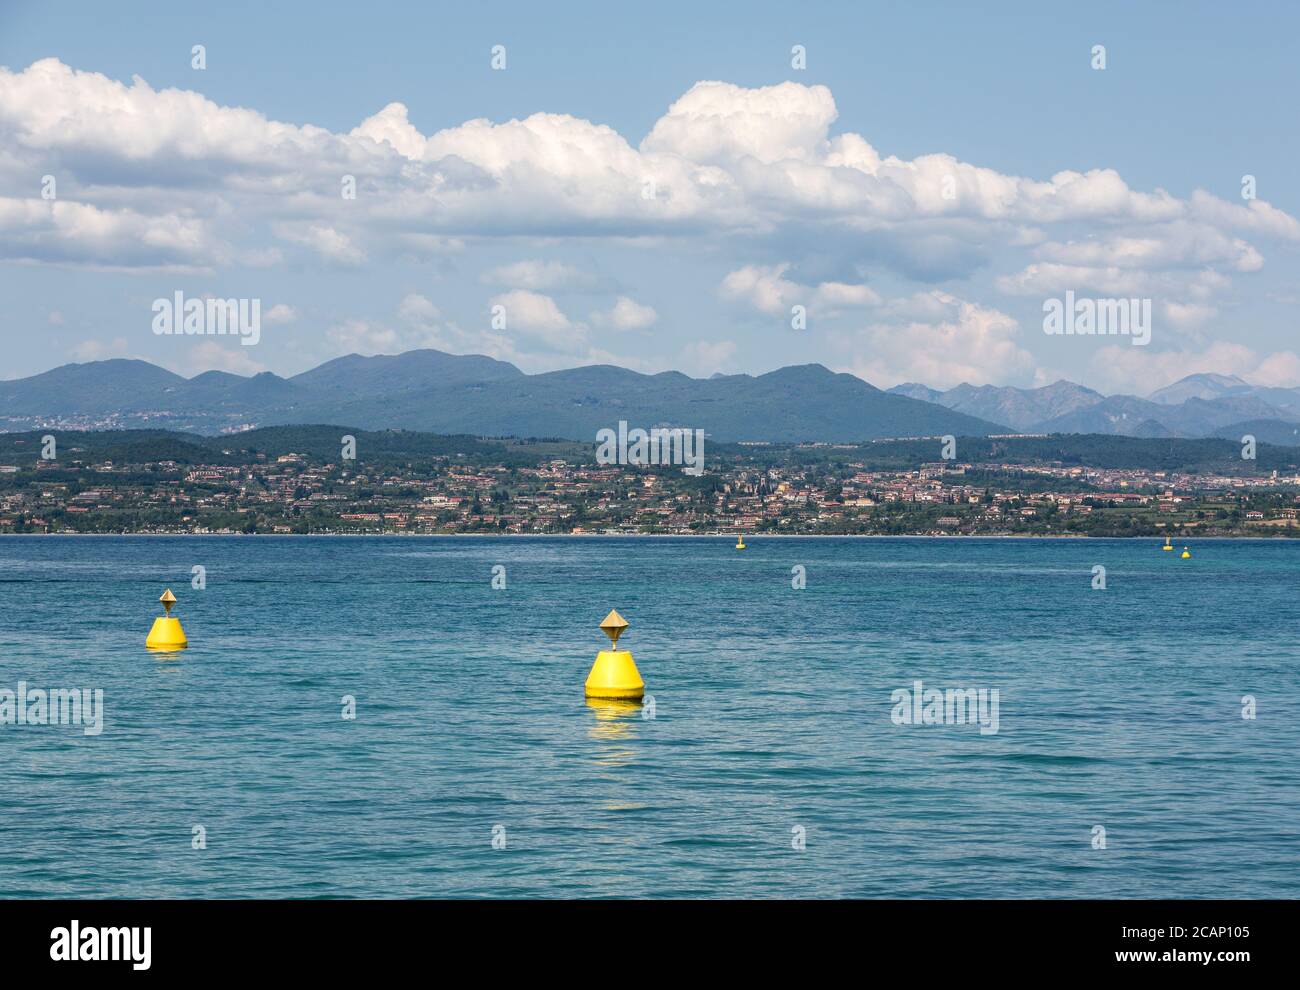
(614,674)
(1186,553)
(1168,545)
(167,633)
(740,542)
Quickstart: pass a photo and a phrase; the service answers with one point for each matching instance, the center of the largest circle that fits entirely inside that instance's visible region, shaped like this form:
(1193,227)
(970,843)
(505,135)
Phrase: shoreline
(640,536)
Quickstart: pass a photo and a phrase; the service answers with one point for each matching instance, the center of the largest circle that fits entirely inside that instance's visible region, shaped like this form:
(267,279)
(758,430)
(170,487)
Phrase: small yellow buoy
(614,675)
(740,542)
(167,633)
(1186,553)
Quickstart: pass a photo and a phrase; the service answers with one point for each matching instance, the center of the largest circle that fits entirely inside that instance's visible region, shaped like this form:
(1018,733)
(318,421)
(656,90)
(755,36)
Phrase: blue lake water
(1119,708)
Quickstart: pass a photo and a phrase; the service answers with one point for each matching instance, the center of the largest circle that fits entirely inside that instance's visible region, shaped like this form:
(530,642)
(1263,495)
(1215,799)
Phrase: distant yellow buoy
(1186,553)
(614,674)
(740,542)
(1168,545)
(167,633)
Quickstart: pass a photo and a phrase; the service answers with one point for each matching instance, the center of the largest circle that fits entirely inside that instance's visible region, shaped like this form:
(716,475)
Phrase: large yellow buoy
(614,674)
(1168,545)
(740,542)
(167,633)
(1186,553)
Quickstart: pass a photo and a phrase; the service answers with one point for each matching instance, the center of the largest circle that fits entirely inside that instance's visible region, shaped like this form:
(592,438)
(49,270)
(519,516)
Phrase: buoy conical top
(166,633)
(613,626)
(614,674)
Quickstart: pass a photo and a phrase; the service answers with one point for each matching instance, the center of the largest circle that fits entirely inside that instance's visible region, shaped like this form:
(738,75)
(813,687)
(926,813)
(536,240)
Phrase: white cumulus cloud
(967,343)
(625,314)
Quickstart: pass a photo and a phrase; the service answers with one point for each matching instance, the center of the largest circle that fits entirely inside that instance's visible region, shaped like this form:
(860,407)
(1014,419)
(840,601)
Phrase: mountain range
(435,392)
(1201,405)
(432,391)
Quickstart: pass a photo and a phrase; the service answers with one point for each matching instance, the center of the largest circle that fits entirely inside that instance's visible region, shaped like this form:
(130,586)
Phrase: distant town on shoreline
(331,480)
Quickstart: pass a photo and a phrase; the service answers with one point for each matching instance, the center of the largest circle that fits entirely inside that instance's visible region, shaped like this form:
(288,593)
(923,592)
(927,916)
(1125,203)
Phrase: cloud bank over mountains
(167,180)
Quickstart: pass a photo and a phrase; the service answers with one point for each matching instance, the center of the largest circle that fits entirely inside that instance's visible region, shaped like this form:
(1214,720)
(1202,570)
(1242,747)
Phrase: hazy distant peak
(1204,385)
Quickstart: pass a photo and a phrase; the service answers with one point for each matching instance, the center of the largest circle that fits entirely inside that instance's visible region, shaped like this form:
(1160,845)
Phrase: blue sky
(773,187)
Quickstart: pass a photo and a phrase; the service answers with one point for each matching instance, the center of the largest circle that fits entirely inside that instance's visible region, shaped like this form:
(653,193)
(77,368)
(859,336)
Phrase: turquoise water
(1119,708)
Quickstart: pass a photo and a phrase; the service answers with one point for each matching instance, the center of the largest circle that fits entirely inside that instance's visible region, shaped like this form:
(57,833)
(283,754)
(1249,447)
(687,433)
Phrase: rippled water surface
(1120,708)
